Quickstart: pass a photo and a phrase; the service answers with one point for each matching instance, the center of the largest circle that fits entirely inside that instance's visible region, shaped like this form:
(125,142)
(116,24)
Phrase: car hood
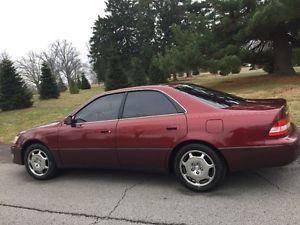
(50,125)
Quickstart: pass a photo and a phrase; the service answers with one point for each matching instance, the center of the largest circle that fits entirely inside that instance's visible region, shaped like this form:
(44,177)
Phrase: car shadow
(235,183)
(284,179)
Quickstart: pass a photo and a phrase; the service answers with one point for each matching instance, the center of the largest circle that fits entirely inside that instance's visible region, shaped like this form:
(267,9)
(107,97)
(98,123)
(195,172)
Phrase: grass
(257,84)
(42,112)
(250,84)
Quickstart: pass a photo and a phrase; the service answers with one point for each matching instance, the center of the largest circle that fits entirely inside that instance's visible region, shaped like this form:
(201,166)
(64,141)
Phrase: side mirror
(70,121)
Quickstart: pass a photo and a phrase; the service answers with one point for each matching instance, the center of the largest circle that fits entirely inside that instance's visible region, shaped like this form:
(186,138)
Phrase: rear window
(212,97)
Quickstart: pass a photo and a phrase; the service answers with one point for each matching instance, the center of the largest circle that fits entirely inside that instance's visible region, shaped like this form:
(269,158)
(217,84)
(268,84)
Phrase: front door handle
(80,125)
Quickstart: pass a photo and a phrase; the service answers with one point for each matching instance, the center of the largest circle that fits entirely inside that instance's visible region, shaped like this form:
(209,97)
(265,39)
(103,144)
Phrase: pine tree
(269,26)
(136,74)
(13,92)
(73,88)
(156,75)
(61,85)
(116,29)
(48,87)
(115,77)
(85,84)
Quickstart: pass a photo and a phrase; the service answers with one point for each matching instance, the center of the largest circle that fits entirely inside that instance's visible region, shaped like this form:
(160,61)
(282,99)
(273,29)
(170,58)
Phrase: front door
(150,127)
(92,141)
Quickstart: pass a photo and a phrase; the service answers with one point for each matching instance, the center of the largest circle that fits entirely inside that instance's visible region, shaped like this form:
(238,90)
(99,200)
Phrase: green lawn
(42,112)
(252,84)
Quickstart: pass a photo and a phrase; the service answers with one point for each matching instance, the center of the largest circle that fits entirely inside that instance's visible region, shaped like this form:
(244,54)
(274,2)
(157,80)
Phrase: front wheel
(199,167)
(39,162)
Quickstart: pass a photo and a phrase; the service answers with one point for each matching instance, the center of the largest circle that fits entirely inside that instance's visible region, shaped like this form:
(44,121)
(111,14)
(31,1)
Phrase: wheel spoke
(207,166)
(205,176)
(31,164)
(41,155)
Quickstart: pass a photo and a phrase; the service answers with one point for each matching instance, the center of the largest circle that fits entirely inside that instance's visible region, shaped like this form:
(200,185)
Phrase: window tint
(215,98)
(103,108)
(147,103)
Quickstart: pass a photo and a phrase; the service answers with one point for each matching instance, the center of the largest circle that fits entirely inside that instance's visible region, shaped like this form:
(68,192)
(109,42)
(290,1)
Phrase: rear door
(150,126)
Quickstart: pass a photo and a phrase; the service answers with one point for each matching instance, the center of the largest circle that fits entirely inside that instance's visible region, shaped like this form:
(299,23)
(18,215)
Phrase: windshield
(212,97)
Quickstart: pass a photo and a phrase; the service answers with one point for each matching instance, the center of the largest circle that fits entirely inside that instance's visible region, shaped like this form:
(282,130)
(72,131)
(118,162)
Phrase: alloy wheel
(197,168)
(38,162)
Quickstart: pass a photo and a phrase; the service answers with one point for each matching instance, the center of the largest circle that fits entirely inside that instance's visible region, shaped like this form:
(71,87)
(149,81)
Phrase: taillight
(280,128)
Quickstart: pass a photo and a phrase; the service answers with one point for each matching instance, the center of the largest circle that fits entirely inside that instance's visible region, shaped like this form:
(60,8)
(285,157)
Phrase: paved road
(270,196)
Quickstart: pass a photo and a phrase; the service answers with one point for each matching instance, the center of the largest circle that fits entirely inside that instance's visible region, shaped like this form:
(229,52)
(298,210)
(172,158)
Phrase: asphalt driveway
(269,196)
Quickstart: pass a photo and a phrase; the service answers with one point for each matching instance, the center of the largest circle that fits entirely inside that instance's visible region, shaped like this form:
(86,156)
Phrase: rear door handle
(172,128)
(105,131)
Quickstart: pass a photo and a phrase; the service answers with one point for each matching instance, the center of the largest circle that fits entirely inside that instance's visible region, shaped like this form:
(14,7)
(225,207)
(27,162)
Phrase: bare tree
(87,69)
(30,69)
(68,61)
(51,58)
(4,55)
(91,74)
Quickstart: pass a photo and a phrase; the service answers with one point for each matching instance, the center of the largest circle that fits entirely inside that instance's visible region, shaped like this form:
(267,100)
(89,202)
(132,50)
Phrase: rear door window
(147,103)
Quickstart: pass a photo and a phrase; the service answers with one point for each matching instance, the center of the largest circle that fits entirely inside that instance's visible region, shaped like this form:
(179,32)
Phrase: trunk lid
(271,115)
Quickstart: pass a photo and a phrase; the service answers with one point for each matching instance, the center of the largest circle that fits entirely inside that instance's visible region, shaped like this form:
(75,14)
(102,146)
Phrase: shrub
(230,64)
(85,84)
(235,64)
(73,88)
(224,68)
(61,86)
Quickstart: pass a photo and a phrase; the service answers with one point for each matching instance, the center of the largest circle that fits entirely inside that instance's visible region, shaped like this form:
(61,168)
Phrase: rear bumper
(276,152)
(16,155)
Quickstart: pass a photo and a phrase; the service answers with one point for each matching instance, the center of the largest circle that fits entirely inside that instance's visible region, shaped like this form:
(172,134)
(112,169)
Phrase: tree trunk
(282,55)
(38,88)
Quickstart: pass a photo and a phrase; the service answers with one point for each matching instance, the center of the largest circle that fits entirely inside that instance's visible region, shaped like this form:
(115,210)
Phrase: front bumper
(276,152)
(17,155)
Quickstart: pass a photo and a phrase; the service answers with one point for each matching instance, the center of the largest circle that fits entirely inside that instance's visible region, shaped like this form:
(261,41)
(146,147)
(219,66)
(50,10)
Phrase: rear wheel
(39,162)
(199,167)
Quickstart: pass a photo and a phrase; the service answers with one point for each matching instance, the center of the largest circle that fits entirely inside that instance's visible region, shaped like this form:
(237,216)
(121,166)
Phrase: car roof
(138,88)
(160,87)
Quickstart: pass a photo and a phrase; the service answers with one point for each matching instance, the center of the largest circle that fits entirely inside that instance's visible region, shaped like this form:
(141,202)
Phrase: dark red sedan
(198,133)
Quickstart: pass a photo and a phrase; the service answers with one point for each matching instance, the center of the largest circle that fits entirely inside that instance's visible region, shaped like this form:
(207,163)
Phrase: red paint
(239,133)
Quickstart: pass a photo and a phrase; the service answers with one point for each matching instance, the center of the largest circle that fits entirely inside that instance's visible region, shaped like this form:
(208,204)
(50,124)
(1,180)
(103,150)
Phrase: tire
(199,168)
(39,162)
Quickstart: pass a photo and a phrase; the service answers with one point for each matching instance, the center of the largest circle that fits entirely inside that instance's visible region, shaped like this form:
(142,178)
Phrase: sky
(32,25)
